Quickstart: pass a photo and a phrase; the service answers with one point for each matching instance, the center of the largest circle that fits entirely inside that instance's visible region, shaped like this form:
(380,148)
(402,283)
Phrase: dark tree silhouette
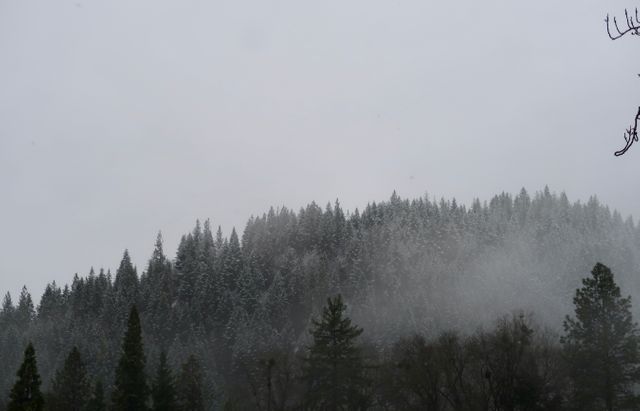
(335,369)
(131,391)
(163,392)
(601,344)
(190,386)
(632,21)
(25,394)
(71,388)
(97,401)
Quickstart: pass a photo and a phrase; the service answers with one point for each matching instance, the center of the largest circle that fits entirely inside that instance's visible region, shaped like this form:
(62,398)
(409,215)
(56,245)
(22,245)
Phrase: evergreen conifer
(71,388)
(190,386)
(163,393)
(334,369)
(601,345)
(25,394)
(131,390)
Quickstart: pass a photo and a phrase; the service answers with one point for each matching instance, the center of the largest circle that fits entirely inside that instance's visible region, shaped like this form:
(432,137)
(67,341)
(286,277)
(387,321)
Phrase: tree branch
(630,135)
(633,27)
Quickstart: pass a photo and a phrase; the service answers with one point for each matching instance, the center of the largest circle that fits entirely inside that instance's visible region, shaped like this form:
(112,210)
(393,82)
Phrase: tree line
(72,388)
(513,367)
(405,267)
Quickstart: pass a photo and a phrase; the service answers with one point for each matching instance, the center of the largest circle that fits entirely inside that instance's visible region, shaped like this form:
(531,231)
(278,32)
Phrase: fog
(119,119)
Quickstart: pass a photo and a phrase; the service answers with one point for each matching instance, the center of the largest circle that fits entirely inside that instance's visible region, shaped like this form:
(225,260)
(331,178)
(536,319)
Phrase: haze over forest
(118,120)
(404,267)
(281,205)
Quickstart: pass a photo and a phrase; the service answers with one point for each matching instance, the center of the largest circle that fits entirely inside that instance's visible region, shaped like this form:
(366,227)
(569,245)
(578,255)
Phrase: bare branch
(630,135)
(633,25)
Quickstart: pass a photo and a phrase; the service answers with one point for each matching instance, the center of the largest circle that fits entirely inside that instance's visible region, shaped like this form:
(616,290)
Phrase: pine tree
(51,302)
(207,280)
(97,402)
(25,394)
(71,388)
(131,391)
(334,369)
(231,268)
(232,261)
(7,311)
(158,292)
(163,393)
(208,246)
(25,312)
(190,386)
(126,285)
(601,345)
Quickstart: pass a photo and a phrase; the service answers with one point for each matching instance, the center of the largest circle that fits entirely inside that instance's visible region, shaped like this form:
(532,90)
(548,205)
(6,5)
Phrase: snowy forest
(442,306)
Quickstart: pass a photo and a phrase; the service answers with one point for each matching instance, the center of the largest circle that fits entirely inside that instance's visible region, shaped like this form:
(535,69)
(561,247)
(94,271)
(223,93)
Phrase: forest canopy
(403,267)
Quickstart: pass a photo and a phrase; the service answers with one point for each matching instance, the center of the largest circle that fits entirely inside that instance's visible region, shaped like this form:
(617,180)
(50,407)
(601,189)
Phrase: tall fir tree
(125,286)
(25,394)
(71,388)
(163,392)
(335,370)
(25,312)
(130,389)
(601,344)
(232,261)
(7,311)
(158,293)
(190,386)
(51,302)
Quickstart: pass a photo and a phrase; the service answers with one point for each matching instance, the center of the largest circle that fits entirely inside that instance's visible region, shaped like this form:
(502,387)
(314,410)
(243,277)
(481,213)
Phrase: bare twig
(630,135)
(633,27)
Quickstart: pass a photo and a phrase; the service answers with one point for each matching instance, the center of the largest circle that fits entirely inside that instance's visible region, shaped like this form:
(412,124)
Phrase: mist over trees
(233,313)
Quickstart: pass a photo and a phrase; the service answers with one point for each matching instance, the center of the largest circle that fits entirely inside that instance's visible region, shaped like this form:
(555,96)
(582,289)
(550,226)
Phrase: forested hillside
(402,266)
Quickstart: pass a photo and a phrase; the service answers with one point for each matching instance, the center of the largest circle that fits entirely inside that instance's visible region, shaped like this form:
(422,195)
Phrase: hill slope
(403,266)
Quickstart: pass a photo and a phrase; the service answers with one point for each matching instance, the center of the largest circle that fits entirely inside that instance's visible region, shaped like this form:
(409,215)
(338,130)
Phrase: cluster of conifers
(513,367)
(73,390)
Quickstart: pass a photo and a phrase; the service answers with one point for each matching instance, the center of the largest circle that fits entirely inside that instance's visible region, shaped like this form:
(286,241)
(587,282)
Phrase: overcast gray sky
(122,118)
